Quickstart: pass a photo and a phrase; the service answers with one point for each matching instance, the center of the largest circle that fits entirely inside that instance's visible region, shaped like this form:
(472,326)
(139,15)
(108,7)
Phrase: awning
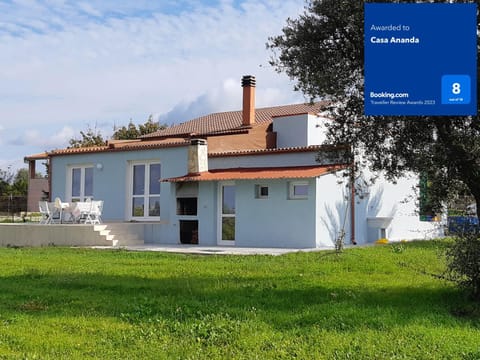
(291,172)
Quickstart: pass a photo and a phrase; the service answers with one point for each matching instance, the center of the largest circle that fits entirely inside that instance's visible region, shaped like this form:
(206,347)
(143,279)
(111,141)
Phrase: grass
(368,303)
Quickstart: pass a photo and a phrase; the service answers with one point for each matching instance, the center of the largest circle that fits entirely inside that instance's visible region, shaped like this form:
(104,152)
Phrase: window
(186,206)
(227,210)
(298,190)
(261,192)
(145,190)
(80,183)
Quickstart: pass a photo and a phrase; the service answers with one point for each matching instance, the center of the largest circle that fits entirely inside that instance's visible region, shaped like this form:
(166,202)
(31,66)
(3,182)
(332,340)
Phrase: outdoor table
(67,212)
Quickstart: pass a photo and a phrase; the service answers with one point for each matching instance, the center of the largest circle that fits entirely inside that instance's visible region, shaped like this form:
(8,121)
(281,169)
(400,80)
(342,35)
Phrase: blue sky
(68,65)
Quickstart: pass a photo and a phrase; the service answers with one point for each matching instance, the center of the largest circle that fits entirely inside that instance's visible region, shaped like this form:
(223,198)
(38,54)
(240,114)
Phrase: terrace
(107,234)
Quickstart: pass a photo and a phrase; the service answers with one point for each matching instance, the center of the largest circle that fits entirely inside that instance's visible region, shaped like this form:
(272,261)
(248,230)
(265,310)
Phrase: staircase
(121,234)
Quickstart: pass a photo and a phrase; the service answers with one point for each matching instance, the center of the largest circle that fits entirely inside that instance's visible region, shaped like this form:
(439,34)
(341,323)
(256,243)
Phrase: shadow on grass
(281,303)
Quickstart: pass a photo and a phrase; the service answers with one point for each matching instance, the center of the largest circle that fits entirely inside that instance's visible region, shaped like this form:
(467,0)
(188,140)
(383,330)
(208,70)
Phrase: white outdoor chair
(55,213)
(43,208)
(95,214)
(80,211)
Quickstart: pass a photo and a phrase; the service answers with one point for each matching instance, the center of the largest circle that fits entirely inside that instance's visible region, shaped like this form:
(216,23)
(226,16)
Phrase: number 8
(456,89)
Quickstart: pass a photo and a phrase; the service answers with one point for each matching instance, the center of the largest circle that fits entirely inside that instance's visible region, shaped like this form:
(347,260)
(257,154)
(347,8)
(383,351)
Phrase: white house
(254,177)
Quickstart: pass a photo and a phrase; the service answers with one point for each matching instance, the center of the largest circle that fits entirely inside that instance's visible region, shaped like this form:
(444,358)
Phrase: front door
(226,221)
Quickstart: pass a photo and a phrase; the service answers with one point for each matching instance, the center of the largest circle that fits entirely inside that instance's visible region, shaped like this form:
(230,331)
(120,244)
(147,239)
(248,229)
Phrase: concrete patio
(128,236)
(34,234)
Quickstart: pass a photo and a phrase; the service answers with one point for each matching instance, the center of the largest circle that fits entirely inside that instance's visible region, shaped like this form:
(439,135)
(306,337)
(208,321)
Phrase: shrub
(463,262)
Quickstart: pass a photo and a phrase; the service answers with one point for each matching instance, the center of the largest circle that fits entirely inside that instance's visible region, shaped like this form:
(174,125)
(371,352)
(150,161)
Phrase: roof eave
(268,173)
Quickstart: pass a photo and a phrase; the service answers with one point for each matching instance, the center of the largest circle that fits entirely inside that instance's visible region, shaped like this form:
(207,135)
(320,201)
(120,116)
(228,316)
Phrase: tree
(126,133)
(14,184)
(6,178)
(463,265)
(20,183)
(132,132)
(322,51)
(90,137)
(151,126)
(93,137)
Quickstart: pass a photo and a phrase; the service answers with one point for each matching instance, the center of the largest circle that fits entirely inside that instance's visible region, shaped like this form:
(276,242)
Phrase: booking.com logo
(388,95)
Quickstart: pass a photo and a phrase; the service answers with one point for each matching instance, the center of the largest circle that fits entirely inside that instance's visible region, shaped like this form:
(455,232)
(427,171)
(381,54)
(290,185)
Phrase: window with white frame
(80,183)
(261,192)
(298,190)
(145,190)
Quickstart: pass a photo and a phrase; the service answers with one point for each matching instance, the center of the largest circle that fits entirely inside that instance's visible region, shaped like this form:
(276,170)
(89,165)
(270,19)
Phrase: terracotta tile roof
(123,146)
(295,172)
(223,123)
(40,156)
(79,150)
(232,120)
(247,152)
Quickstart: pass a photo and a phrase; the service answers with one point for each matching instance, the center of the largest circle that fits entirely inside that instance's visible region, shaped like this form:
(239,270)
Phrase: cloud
(225,97)
(89,9)
(65,64)
(35,138)
(122,65)
(220,98)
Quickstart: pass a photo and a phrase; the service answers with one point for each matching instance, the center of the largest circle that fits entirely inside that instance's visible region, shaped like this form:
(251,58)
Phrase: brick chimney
(248,84)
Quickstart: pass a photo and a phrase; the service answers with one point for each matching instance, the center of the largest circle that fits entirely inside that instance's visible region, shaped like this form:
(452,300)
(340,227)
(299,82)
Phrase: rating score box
(420,59)
(456,89)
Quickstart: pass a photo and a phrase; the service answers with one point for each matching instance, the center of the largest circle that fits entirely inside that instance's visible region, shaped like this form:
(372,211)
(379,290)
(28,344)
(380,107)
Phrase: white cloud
(52,141)
(224,97)
(64,64)
(89,9)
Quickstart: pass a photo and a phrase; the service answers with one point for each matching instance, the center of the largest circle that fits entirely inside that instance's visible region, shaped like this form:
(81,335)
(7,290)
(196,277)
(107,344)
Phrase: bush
(463,262)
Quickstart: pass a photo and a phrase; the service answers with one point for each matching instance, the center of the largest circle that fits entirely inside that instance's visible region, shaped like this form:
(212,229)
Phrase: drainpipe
(352,204)
(49,174)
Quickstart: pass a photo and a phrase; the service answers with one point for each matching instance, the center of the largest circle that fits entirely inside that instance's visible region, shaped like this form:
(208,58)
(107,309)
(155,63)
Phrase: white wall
(299,130)
(398,201)
(332,211)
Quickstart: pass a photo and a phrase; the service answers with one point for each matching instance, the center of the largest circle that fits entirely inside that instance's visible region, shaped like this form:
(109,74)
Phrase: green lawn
(368,303)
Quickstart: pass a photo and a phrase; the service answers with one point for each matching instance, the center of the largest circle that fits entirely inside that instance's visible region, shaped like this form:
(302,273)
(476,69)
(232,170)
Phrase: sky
(68,65)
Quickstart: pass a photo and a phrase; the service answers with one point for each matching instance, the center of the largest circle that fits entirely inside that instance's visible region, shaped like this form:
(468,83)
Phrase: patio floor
(212,250)
(129,236)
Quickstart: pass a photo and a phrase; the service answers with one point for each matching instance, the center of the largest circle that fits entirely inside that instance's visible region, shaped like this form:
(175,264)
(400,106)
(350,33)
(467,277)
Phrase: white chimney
(197,156)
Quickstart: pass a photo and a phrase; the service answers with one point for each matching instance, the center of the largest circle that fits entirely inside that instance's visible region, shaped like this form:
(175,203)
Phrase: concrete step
(121,234)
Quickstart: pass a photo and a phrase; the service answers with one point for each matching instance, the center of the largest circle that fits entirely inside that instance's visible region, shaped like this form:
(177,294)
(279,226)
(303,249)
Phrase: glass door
(145,191)
(226,225)
(81,183)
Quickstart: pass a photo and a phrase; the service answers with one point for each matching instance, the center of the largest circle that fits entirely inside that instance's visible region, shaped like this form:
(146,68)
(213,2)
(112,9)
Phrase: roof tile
(231,120)
(295,172)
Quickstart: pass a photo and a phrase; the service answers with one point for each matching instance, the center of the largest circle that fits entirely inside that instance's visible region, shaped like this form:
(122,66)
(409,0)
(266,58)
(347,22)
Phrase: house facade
(248,178)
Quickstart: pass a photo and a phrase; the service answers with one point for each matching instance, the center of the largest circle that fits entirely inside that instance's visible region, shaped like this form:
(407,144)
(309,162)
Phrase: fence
(462,224)
(12,205)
